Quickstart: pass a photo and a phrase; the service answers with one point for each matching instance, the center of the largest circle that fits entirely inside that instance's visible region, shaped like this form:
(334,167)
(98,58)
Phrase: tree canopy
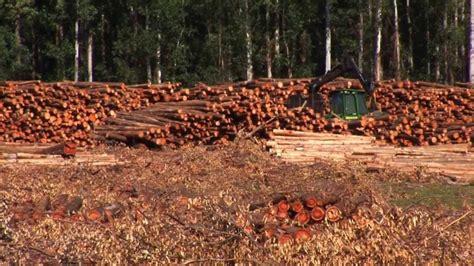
(217,41)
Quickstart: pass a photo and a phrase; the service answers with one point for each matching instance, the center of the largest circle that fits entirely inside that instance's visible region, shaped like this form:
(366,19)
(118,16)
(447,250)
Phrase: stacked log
(451,161)
(293,219)
(425,113)
(413,113)
(33,111)
(64,206)
(173,123)
(51,154)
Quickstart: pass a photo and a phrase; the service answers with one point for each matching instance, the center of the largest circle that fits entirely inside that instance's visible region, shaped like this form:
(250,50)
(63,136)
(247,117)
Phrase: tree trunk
(456,43)
(158,60)
(396,40)
(277,30)
(455,65)
(437,64)
(428,43)
(471,42)
(18,37)
(268,56)
(287,49)
(248,39)
(76,57)
(378,40)
(34,57)
(61,62)
(410,38)
(102,38)
(361,36)
(328,35)
(90,68)
(148,63)
(445,45)
(221,63)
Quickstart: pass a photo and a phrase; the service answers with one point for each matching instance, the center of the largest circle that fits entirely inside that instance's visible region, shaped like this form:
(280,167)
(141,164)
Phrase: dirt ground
(187,206)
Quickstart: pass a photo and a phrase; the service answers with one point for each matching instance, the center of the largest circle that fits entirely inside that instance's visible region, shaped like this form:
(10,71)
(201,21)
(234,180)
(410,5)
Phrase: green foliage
(408,194)
(206,40)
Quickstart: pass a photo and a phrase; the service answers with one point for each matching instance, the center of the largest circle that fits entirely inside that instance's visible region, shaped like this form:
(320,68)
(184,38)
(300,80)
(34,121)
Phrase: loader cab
(348,104)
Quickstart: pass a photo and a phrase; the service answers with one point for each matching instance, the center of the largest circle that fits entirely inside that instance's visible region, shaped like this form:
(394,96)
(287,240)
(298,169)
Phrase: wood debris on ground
(192,204)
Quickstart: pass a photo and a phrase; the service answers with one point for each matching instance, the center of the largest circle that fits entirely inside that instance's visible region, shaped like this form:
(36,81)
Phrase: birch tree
(277,30)
(396,40)
(378,40)
(361,35)
(248,41)
(268,56)
(90,58)
(76,44)
(328,36)
(410,36)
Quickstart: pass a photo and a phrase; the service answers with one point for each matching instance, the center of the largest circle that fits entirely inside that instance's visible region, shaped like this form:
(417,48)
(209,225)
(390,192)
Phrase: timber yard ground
(213,204)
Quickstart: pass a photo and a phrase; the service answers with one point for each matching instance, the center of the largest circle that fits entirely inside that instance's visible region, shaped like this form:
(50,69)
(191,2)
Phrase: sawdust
(181,206)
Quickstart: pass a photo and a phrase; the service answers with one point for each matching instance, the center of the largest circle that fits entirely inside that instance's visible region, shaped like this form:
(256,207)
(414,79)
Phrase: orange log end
(333,214)
(94,215)
(303,217)
(311,202)
(285,239)
(302,234)
(269,232)
(282,215)
(297,206)
(317,214)
(283,206)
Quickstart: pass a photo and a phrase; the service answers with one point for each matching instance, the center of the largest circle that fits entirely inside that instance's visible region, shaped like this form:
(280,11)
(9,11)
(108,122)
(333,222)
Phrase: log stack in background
(417,113)
(425,113)
(414,114)
(453,162)
(33,111)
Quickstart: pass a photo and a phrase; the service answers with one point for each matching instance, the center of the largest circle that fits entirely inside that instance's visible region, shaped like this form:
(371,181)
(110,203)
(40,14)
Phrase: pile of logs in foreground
(63,207)
(417,113)
(288,220)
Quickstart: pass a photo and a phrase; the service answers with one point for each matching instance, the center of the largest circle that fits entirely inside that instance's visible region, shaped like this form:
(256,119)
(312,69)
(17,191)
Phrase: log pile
(451,161)
(51,154)
(173,123)
(64,206)
(217,114)
(425,113)
(287,219)
(34,111)
(415,113)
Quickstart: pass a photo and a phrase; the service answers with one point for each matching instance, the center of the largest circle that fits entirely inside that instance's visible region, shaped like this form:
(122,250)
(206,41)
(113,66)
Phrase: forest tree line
(137,41)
